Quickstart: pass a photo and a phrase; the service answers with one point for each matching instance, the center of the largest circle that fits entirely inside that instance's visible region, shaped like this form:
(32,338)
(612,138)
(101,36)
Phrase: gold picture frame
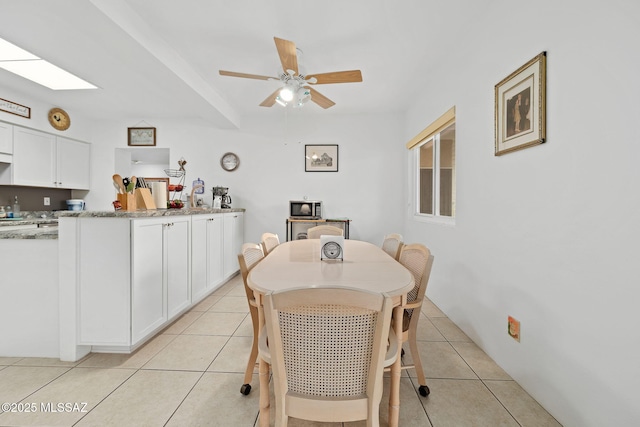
(141,137)
(520,107)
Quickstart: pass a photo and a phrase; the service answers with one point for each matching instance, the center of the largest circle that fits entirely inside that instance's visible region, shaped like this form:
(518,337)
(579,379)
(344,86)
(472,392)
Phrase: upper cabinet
(6,139)
(73,163)
(41,159)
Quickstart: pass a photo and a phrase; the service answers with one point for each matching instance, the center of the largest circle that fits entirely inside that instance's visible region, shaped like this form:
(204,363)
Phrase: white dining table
(297,264)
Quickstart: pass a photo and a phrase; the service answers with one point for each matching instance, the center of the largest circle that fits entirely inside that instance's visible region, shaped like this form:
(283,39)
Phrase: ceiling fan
(296,87)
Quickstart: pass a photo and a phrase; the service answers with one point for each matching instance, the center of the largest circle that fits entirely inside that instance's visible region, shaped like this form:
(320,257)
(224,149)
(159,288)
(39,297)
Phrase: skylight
(29,66)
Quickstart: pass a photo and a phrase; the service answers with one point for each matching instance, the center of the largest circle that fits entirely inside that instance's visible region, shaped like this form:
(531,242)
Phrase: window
(435,168)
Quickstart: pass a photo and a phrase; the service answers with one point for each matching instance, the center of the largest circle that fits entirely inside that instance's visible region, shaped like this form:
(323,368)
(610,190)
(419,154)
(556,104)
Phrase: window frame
(432,133)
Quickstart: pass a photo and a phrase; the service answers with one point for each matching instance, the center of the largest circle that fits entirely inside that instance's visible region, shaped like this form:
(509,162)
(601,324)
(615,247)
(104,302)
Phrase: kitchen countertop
(34,226)
(144,213)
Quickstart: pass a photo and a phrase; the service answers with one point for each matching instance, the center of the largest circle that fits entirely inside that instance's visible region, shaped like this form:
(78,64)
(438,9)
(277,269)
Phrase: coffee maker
(220,198)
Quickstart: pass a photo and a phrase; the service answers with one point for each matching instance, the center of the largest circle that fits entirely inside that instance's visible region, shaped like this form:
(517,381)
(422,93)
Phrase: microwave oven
(305,209)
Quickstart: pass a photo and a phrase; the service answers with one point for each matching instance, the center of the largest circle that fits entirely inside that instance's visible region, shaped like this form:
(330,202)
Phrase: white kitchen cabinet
(206,254)
(41,159)
(73,164)
(159,273)
(178,267)
(147,278)
(6,139)
(34,158)
(233,239)
(124,279)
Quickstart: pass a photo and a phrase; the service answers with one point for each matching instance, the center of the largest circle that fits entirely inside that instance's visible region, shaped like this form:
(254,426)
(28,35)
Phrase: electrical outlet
(47,201)
(513,328)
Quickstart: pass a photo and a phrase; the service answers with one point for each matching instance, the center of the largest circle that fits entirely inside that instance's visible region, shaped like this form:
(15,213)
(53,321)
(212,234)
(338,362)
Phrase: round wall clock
(59,119)
(229,161)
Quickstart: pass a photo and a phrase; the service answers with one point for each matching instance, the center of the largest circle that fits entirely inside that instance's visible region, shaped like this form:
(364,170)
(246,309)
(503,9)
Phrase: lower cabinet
(159,273)
(134,276)
(233,239)
(206,254)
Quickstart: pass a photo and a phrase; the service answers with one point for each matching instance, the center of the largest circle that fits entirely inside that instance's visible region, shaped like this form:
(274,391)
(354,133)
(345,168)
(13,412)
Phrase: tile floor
(190,375)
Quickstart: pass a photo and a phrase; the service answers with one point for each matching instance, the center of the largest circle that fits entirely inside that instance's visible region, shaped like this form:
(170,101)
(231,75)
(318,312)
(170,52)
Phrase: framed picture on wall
(141,137)
(520,107)
(321,158)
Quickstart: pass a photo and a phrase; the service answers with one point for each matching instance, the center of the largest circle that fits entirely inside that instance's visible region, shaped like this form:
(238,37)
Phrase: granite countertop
(144,213)
(43,225)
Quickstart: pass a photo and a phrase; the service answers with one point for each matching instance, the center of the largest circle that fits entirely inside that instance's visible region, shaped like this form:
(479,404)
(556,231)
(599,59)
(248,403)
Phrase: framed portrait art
(520,110)
(321,158)
(141,137)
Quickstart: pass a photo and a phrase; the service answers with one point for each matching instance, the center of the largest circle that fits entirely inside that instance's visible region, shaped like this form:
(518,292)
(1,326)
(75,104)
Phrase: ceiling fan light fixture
(303,95)
(286,93)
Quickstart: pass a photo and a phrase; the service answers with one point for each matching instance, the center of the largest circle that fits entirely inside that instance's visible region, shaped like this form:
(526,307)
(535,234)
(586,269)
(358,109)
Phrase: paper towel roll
(159,192)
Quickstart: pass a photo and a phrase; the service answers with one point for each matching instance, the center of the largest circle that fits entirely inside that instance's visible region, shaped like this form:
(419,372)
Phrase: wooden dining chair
(249,256)
(269,241)
(324,230)
(392,244)
(418,260)
(328,348)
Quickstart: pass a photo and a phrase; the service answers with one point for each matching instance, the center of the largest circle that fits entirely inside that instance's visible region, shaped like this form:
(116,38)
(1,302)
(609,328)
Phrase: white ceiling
(160,58)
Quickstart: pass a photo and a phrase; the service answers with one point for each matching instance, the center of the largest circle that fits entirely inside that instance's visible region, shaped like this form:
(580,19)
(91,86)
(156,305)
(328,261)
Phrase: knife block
(127,201)
(144,199)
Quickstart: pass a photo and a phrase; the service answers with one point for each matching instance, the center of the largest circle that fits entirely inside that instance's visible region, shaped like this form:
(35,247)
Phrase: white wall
(548,234)
(271,168)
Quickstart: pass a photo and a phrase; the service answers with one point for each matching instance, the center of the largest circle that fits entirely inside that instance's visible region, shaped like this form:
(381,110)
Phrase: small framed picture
(520,107)
(141,137)
(321,158)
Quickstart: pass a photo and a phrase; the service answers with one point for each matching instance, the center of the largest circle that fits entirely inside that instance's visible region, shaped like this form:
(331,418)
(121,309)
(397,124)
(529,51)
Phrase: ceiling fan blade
(288,55)
(244,75)
(320,99)
(271,99)
(351,76)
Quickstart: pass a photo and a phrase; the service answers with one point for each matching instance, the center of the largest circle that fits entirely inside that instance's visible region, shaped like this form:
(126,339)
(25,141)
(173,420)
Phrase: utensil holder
(127,201)
(144,199)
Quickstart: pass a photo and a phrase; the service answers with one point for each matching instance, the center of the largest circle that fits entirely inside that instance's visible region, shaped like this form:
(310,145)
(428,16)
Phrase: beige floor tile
(461,403)
(238,289)
(449,329)
(234,356)
(216,401)
(44,361)
(128,361)
(231,284)
(523,407)
(246,328)
(18,382)
(439,360)
(5,361)
(188,353)
(427,331)
(182,323)
(412,412)
(81,388)
(148,398)
(231,304)
(206,303)
(481,364)
(431,310)
(213,323)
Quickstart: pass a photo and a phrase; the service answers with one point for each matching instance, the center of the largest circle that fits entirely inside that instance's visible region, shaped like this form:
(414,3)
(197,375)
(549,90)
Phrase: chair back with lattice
(327,350)
(249,256)
(269,242)
(324,230)
(418,260)
(392,244)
